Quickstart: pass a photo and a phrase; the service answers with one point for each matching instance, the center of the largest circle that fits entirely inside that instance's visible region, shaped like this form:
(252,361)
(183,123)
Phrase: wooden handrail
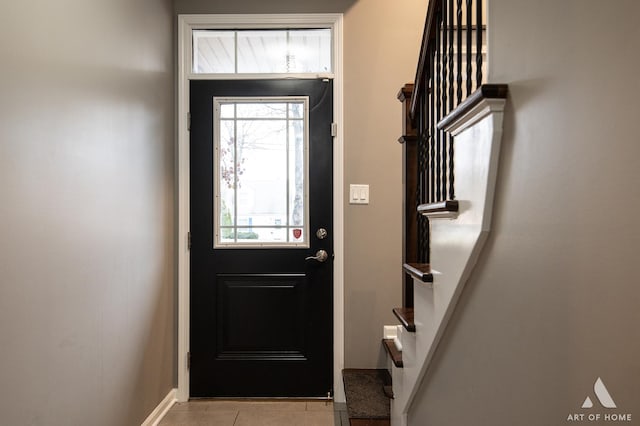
(486,91)
(427,35)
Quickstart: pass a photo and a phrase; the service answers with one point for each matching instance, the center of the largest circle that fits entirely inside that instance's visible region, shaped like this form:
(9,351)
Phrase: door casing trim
(185,24)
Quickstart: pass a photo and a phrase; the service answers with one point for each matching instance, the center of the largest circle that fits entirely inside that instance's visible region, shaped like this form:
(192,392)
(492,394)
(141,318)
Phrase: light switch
(358,194)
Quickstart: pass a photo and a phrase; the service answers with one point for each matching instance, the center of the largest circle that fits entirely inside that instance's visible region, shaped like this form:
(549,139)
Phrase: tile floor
(254,413)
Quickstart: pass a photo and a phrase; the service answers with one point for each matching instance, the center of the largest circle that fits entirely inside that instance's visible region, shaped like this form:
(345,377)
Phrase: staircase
(457,230)
(452,129)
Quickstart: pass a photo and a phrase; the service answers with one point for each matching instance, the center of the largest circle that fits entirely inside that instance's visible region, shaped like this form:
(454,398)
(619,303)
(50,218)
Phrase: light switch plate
(358,194)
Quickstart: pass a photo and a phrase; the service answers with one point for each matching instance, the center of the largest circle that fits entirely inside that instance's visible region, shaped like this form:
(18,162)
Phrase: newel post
(409,141)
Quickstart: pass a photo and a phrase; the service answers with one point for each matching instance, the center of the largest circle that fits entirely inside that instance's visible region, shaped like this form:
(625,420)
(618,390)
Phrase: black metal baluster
(420,182)
(422,187)
(424,136)
(442,159)
(444,169)
(452,192)
(479,32)
(469,43)
(423,246)
(451,57)
(424,132)
(438,102)
(434,120)
(459,55)
(423,238)
(445,55)
(450,21)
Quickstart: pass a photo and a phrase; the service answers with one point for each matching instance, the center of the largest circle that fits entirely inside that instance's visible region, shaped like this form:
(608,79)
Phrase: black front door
(261,160)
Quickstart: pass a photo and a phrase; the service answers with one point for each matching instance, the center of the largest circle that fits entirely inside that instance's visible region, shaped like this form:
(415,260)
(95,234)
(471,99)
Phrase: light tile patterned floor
(252,413)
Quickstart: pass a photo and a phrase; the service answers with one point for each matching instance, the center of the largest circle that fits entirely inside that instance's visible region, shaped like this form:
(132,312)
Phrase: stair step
(367,404)
(421,271)
(405,315)
(443,209)
(394,353)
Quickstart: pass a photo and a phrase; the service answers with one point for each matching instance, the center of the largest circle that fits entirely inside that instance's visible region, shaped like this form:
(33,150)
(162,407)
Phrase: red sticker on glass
(297,233)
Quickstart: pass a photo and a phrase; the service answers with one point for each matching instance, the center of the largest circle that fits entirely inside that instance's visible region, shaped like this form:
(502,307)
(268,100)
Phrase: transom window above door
(261,172)
(271,51)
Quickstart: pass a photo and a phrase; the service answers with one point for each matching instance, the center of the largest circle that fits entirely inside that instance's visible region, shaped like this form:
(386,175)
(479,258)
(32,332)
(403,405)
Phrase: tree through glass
(261,152)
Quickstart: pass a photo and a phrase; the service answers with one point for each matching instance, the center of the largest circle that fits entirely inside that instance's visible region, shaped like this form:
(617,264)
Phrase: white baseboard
(158,413)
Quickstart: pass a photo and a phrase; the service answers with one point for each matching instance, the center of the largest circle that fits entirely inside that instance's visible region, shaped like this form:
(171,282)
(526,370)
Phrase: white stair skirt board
(455,246)
(163,408)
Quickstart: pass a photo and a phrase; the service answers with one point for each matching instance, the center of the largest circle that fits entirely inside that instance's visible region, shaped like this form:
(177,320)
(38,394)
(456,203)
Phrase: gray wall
(553,304)
(381,47)
(382,43)
(86,218)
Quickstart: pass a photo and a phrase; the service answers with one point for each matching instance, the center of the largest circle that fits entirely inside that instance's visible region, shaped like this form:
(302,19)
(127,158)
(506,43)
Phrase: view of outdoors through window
(261,162)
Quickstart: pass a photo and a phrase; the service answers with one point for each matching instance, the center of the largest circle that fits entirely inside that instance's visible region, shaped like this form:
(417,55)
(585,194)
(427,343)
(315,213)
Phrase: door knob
(321,256)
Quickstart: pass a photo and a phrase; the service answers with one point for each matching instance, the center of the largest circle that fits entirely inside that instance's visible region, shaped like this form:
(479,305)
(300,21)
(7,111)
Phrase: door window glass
(261,158)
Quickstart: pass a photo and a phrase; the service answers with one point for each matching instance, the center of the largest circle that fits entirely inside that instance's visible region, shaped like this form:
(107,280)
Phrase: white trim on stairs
(455,247)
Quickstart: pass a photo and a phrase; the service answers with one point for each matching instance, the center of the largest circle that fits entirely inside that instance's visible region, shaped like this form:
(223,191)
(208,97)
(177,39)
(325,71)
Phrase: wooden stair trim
(443,209)
(408,126)
(486,91)
(405,316)
(407,139)
(394,353)
(405,93)
(420,271)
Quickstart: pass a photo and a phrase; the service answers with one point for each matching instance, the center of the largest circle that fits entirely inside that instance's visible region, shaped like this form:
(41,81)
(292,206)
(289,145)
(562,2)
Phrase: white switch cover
(358,194)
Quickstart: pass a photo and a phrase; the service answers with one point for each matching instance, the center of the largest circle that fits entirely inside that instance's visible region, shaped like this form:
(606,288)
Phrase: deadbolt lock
(321,233)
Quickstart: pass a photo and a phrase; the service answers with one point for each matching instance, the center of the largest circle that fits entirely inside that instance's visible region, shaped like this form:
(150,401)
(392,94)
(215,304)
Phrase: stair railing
(450,69)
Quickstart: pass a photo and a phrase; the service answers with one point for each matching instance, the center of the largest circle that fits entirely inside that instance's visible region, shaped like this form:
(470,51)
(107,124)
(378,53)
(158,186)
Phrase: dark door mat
(365,394)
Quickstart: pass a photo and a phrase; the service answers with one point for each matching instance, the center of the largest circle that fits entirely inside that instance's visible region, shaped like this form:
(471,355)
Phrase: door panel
(261,317)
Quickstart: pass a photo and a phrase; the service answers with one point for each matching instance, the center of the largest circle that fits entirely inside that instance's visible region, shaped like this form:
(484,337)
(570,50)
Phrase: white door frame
(186,23)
